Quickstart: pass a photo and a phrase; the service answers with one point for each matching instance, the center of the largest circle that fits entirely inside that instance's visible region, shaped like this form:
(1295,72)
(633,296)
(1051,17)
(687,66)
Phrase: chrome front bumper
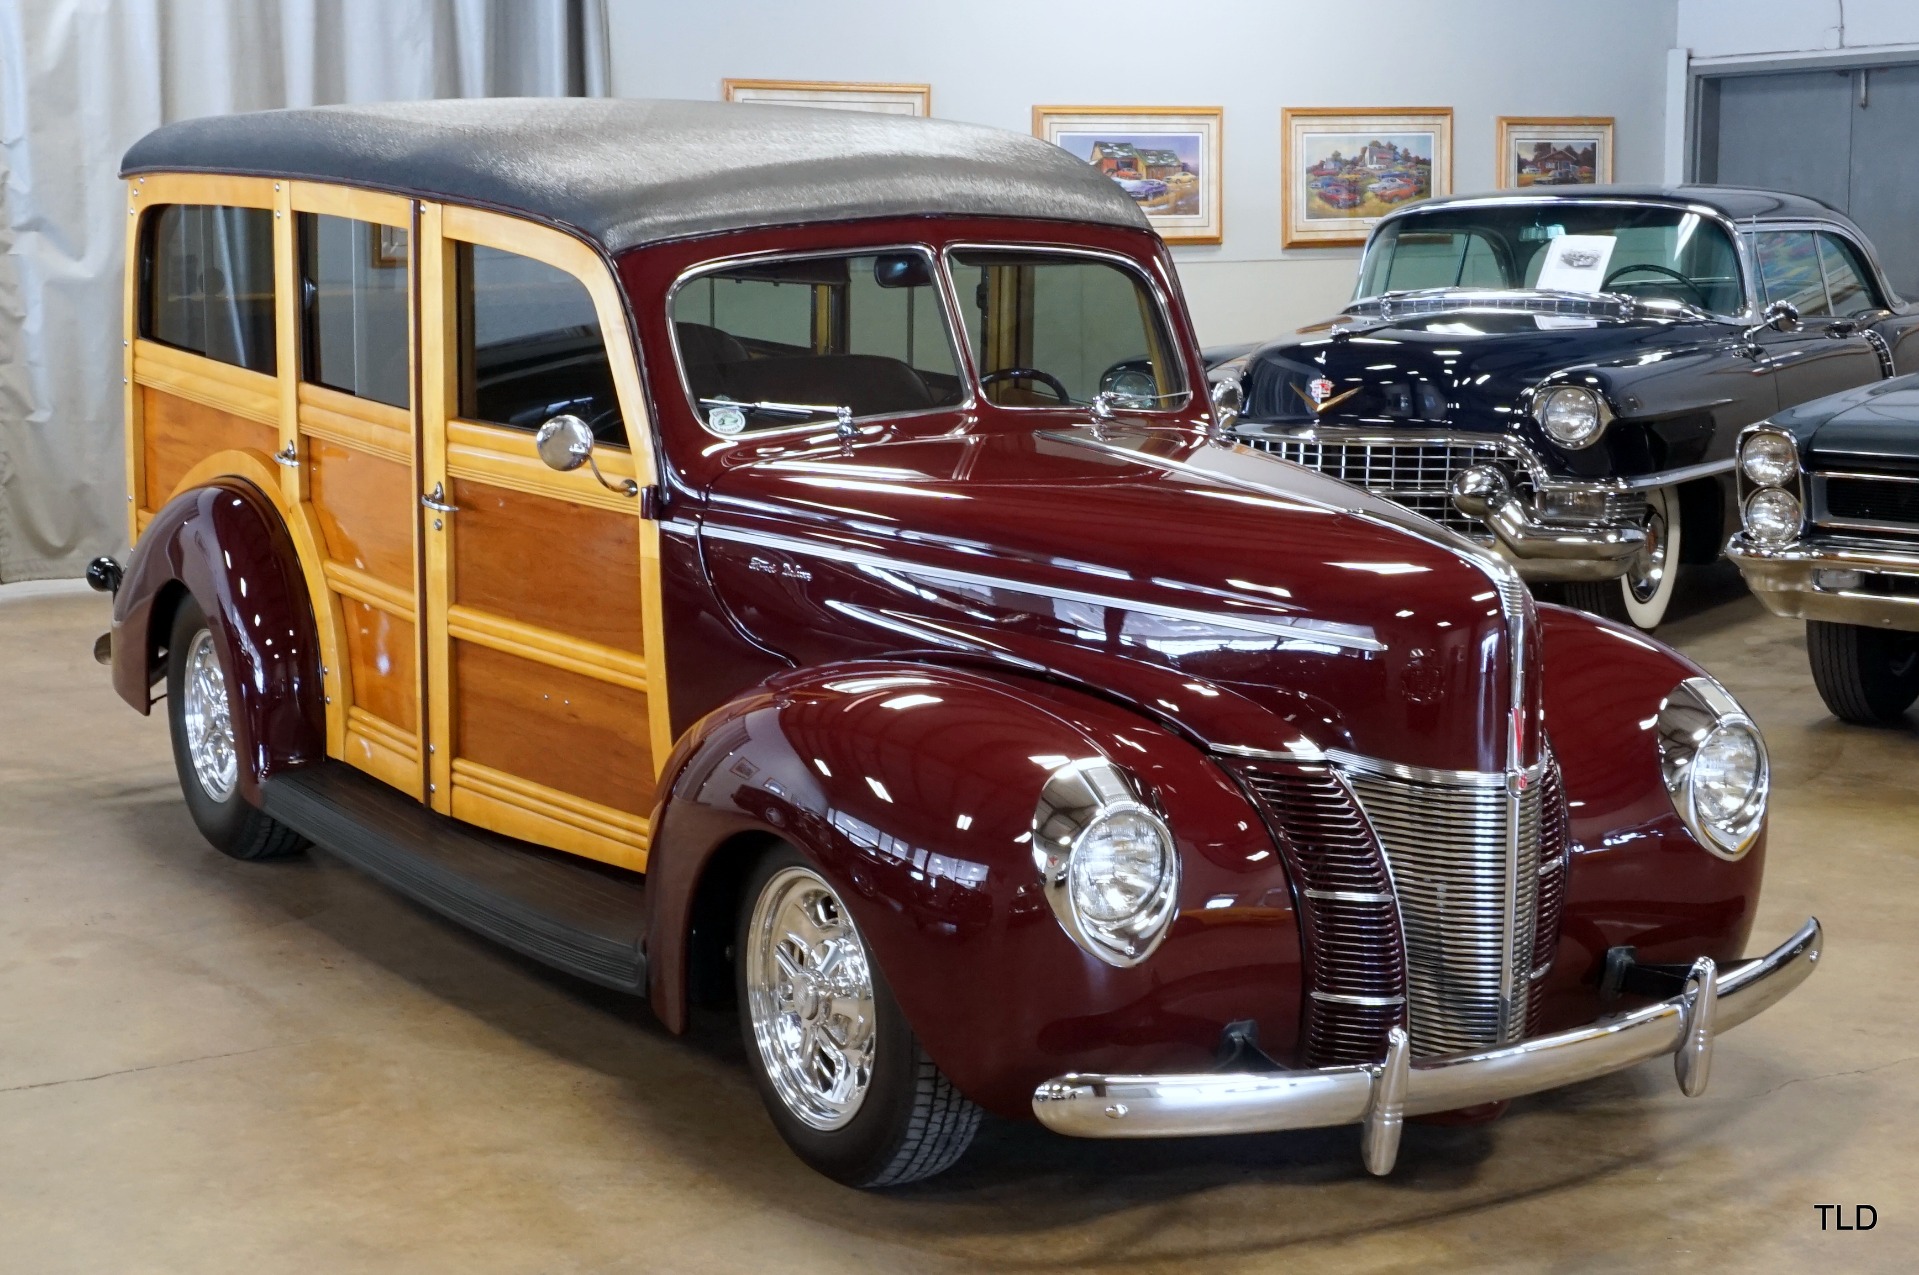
(1783,580)
(1380,1096)
(1544,550)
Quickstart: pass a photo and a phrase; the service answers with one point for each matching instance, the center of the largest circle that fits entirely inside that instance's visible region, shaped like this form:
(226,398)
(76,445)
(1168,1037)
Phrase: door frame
(452,448)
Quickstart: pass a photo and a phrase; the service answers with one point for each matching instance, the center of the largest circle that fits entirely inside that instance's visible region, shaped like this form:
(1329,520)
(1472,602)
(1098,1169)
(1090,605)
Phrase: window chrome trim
(1119,259)
(1819,226)
(1324,633)
(941,287)
(1748,261)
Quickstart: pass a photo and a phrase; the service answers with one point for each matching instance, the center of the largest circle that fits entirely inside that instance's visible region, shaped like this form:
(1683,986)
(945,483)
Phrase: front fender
(911,787)
(1637,875)
(225,544)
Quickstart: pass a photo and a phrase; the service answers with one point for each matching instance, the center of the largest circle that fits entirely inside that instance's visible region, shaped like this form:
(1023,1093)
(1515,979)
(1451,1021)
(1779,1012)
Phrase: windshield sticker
(1576,263)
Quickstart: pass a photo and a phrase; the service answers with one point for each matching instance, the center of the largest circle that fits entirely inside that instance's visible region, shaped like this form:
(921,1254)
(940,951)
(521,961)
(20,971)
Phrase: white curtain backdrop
(80,81)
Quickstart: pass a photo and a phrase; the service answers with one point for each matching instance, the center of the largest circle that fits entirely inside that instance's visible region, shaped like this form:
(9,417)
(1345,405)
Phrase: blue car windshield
(1656,252)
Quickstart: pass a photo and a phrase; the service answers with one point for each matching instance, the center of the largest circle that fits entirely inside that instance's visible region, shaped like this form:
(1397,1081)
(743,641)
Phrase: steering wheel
(1699,293)
(1047,379)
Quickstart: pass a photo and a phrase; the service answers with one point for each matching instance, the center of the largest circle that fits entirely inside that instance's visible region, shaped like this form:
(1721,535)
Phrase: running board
(584,918)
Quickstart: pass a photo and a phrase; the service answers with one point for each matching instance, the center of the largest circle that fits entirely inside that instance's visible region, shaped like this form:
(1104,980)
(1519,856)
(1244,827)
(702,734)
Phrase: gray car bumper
(1380,1096)
(1788,579)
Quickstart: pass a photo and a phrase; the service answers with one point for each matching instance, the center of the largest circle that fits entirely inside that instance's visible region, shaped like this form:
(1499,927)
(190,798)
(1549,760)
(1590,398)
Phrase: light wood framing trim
(543,646)
(350,201)
(382,750)
(362,587)
(359,435)
(437,337)
(206,381)
(336,403)
(389,735)
(505,458)
(516,807)
(286,320)
(203,188)
(133,433)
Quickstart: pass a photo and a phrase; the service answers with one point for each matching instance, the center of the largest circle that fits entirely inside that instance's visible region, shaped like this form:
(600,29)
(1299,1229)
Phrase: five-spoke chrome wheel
(809,991)
(208,718)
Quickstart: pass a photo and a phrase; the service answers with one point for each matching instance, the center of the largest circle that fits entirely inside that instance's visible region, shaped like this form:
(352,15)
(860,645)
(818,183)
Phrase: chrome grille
(1349,924)
(1555,865)
(1417,475)
(1468,905)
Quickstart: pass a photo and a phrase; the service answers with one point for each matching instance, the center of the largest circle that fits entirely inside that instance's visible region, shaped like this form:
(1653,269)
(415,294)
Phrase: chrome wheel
(1648,569)
(208,719)
(809,994)
(1648,585)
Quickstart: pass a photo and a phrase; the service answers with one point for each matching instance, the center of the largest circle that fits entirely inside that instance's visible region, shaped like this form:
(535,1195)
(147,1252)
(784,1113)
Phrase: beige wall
(991,61)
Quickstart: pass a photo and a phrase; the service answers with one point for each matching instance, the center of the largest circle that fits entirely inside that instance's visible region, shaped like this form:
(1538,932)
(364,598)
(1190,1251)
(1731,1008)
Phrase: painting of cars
(1344,170)
(1554,152)
(1166,158)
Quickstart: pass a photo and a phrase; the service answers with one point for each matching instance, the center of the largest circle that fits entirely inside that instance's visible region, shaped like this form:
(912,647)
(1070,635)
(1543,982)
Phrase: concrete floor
(209,1066)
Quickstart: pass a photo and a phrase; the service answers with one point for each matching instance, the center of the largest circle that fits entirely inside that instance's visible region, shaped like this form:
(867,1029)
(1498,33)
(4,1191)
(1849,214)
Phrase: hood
(1466,369)
(1252,603)
(1876,424)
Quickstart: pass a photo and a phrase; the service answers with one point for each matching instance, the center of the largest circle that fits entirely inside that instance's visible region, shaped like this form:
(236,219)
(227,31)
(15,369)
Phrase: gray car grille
(1416,475)
(1470,921)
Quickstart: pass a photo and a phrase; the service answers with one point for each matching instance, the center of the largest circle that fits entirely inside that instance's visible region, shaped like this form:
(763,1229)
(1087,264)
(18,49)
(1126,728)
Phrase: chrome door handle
(436,500)
(288,456)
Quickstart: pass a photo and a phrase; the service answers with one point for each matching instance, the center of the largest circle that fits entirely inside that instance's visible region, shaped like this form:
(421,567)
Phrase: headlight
(1107,861)
(1769,459)
(1773,516)
(1714,764)
(1571,416)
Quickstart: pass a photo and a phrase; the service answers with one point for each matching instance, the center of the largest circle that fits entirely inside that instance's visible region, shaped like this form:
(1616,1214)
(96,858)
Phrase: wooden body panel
(179,433)
(504,676)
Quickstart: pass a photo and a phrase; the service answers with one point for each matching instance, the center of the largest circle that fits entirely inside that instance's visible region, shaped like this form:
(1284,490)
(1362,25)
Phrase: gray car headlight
(1773,515)
(1106,860)
(1571,415)
(1714,763)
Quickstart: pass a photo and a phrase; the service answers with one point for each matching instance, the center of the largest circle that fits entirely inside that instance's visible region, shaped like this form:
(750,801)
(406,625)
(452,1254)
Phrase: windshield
(1048,328)
(1645,252)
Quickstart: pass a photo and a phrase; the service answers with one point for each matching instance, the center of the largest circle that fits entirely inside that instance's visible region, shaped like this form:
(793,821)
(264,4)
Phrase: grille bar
(1416,475)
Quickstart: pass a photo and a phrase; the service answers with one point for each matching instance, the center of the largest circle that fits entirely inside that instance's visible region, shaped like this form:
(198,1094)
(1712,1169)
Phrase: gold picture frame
(1342,169)
(834,95)
(1169,158)
(1553,150)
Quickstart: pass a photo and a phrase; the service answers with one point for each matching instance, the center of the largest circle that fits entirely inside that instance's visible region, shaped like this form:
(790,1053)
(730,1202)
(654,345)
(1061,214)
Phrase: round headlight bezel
(1550,403)
(1791,524)
(1785,451)
(1078,800)
(1698,711)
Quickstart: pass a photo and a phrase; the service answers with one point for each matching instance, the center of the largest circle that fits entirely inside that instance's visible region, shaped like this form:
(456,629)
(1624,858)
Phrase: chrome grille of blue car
(1417,475)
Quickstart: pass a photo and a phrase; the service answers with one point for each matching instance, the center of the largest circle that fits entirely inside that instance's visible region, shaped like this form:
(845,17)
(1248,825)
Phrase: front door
(545,679)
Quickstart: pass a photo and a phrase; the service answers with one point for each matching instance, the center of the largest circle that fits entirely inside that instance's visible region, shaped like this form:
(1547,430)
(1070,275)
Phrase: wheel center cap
(808,999)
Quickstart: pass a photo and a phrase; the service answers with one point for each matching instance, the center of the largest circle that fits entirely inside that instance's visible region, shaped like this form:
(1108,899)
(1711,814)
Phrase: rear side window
(353,277)
(1846,285)
(207,276)
(1818,273)
(531,346)
(768,344)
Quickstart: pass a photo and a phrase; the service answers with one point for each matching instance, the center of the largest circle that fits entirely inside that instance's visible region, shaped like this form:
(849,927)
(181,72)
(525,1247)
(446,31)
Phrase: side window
(353,276)
(206,276)
(1845,276)
(1789,264)
(531,346)
(1050,328)
(865,332)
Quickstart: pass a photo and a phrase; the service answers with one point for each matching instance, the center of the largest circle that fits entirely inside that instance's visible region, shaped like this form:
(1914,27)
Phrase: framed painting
(887,99)
(1565,150)
(1342,170)
(1166,157)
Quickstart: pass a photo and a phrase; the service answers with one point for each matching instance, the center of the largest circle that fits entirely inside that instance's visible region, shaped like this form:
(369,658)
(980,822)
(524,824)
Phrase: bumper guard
(1543,550)
(1380,1096)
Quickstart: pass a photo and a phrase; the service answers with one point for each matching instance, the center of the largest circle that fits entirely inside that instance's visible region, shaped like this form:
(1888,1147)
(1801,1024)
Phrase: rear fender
(226,545)
(911,788)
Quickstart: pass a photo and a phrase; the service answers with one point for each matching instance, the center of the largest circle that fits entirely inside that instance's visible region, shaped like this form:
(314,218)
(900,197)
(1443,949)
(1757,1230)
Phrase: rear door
(545,673)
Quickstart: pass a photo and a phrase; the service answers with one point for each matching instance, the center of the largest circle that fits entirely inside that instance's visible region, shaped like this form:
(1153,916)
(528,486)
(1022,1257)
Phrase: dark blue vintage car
(1563,374)
(1830,496)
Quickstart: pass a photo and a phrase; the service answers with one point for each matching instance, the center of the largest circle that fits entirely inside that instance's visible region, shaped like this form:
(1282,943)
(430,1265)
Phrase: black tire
(229,822)
(1642,596)
(1865,675)
(911,1124)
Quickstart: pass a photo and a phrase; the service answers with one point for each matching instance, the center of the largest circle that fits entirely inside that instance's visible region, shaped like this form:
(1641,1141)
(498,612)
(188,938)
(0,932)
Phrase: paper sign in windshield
(1576,263)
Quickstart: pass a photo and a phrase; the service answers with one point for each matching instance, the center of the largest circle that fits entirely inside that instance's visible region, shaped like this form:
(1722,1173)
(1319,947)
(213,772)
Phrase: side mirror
(1780,316)
(1228,398)
(566,442)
